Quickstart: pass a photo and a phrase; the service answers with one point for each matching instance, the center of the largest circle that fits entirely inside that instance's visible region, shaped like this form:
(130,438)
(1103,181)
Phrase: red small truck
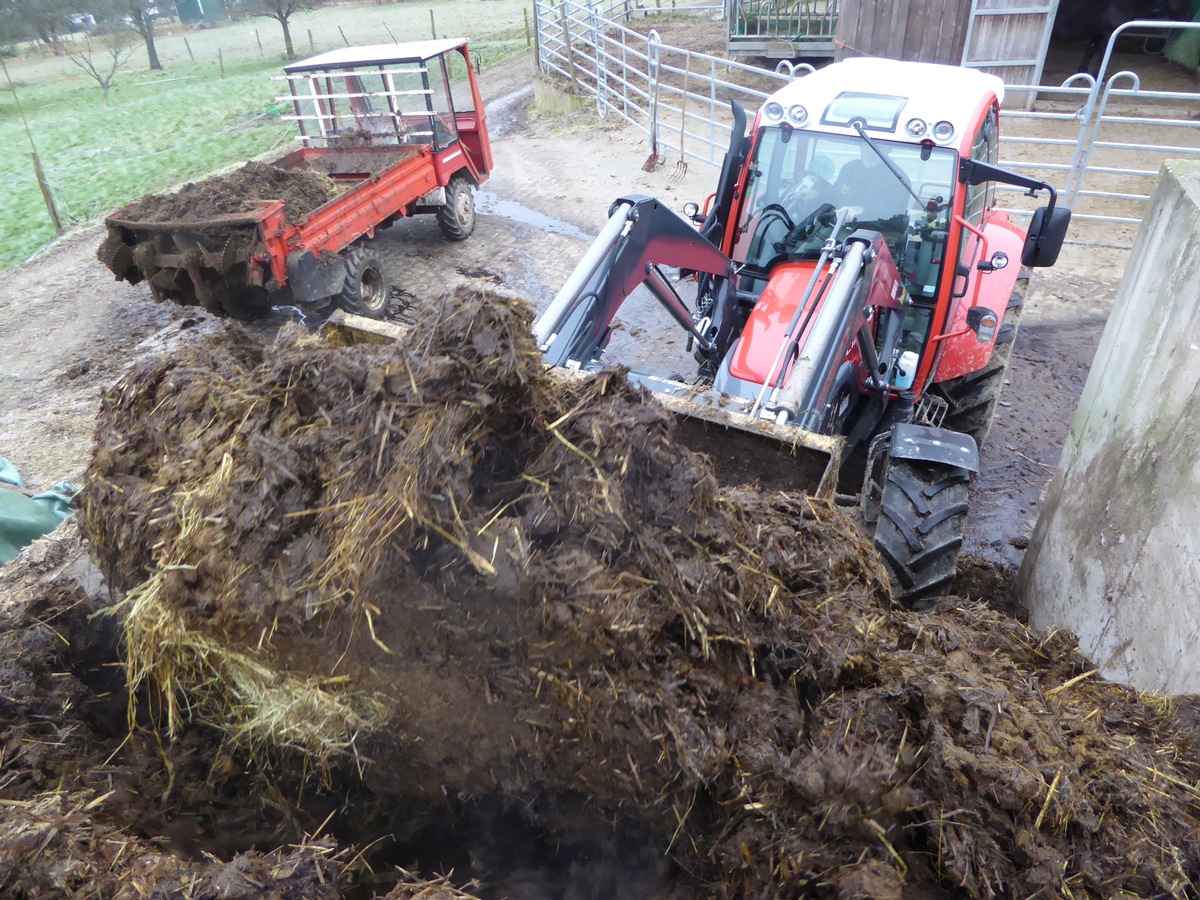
(400,126)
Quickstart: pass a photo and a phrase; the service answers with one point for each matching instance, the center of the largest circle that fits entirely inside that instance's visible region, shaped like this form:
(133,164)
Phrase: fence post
(312,46)
(432,25)
(537,39)
(189,49)
(566,29)
(221,60)
(46,195)
(345,40)
(525,15)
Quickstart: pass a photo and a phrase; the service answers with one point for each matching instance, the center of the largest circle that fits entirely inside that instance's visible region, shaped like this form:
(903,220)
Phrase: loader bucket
(346,330)
(758,452)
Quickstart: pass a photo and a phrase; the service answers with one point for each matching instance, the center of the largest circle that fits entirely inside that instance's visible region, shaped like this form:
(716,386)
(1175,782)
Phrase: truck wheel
(974,398)
(367,291)
(922,516)
(457,217)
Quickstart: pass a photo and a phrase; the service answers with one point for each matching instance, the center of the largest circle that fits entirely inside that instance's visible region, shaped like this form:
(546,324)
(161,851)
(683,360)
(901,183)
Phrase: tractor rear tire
(974,398)
(368,290)
(457,217)
(922,518)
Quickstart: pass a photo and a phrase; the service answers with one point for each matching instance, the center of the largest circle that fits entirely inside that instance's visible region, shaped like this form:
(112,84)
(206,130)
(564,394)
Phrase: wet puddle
(489,204)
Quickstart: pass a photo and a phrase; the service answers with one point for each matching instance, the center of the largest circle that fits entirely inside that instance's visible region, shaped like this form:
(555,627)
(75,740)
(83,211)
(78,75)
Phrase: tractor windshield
(799,180)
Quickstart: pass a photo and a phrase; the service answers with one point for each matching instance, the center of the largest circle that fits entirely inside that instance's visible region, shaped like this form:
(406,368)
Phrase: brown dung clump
(301,189)
(482,581)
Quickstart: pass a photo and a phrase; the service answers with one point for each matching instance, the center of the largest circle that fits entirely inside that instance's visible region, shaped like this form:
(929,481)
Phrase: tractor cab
(420,94)
(902,150)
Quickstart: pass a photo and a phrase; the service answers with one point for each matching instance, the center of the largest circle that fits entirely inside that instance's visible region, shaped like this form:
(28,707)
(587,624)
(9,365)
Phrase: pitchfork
(682,167)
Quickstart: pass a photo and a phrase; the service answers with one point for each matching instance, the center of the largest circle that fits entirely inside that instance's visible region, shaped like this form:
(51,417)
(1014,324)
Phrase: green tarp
(25,519)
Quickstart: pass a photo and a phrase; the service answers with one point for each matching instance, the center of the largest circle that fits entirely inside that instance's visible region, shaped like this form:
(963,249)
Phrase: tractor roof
(888,93)
(376,54)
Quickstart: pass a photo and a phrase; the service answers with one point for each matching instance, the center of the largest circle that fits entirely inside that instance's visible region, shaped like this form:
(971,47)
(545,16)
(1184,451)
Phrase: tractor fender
(312,277)
(935,445)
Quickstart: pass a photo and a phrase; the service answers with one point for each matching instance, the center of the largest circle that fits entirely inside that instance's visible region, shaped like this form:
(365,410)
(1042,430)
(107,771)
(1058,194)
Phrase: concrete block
(1115,555)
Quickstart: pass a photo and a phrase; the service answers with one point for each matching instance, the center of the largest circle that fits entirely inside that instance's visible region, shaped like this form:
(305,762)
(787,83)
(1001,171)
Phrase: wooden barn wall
(936,31)
(1011,37)
(918,30)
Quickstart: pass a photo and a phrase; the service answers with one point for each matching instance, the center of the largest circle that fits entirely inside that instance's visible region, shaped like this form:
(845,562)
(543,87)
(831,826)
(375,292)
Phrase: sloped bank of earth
(518,600)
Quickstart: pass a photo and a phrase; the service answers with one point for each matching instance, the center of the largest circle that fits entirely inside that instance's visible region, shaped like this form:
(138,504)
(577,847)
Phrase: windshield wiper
(892,167)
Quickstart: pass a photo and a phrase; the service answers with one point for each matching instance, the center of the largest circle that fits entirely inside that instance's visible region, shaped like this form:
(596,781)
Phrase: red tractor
(855,297)
(400,128)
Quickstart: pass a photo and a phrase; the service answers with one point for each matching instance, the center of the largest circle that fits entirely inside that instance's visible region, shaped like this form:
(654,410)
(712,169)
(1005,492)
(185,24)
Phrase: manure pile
(502,596)
(301,189)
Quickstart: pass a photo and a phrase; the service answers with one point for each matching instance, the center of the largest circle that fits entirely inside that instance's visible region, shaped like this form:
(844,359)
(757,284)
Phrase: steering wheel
(820,215)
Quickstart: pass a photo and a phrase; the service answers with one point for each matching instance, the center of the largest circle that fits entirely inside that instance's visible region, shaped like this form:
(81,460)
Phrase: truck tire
(922,517)
(457,217)
(975,397)
(367,291)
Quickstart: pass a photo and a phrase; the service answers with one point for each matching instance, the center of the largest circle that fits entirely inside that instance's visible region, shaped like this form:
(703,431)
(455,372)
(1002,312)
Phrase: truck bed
(227,243)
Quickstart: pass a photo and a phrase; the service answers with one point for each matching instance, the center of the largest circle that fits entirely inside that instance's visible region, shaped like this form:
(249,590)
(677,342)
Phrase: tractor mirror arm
(972,171)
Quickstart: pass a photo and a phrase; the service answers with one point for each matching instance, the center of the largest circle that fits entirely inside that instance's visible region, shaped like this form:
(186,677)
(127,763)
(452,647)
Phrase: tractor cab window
(984,148)
(444,130)
(460,83)
(799,181)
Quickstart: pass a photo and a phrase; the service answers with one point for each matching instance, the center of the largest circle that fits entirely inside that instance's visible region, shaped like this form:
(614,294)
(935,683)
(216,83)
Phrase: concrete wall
(1115,556)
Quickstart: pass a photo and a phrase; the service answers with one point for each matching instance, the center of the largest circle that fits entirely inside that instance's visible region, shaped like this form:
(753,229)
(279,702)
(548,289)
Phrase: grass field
(164,128)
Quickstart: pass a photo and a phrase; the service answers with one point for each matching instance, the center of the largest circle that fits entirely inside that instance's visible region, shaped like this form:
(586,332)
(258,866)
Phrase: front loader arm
(641,235)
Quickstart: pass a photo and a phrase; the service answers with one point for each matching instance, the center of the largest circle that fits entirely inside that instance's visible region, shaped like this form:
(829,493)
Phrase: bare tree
(281,11)
(103,55)
(140,18)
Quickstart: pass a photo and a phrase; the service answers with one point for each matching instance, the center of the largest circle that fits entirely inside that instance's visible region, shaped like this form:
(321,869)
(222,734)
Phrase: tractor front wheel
(457,217)
(367,291)
(922,517)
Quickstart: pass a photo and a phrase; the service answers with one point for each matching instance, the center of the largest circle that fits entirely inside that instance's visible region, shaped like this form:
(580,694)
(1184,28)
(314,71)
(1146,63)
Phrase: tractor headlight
(916,127)
(943,131)
(773,111)
(797,115)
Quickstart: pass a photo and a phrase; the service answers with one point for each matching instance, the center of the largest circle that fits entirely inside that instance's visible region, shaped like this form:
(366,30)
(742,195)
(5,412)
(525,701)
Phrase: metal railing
(781,28)
(1100,141)
(1111,140)
(677,98)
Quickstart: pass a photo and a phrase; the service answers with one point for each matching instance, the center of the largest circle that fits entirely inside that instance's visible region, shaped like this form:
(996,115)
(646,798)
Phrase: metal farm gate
(1099,140)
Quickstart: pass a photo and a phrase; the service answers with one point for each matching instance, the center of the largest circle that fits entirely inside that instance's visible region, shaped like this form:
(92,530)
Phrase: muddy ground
(67,332)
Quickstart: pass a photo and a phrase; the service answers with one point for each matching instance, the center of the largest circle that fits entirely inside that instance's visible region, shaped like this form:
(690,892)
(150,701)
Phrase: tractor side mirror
(983,322)
(1046,234)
